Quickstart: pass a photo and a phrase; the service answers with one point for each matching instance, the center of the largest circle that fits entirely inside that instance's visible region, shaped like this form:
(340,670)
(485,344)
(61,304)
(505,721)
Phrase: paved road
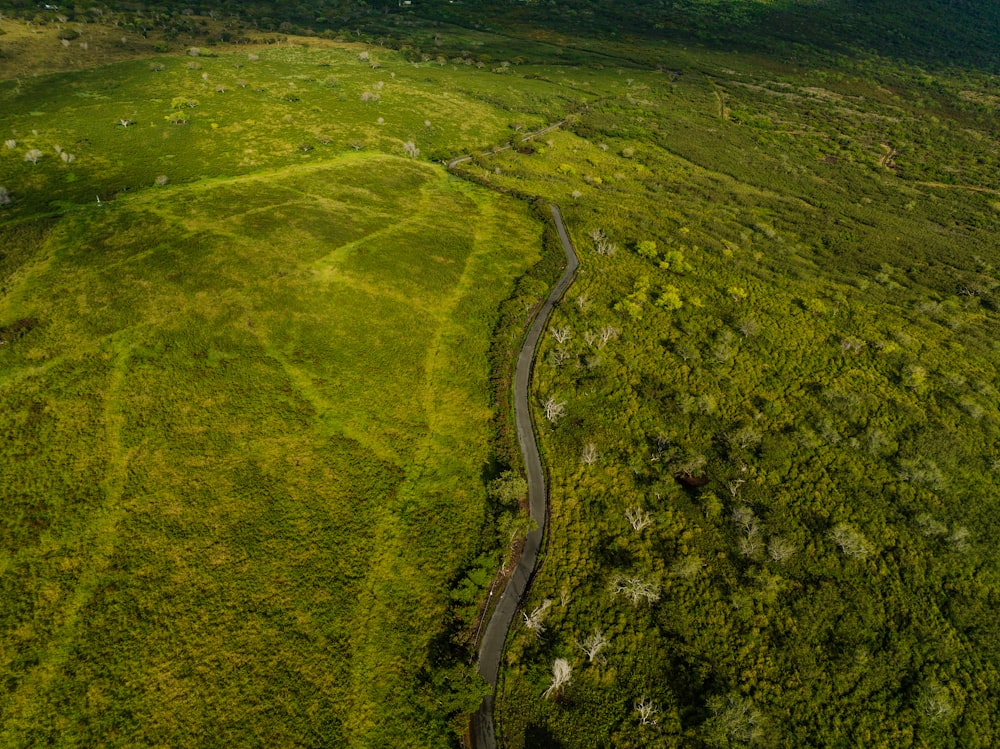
(491,647)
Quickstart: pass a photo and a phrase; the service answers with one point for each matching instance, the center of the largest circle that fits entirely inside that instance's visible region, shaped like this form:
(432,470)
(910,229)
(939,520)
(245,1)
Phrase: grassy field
(247,405)
(244,442)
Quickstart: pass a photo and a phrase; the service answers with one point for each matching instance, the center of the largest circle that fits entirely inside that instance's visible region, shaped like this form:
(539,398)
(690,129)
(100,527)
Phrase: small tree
(534,620)
(607,333)
(850,540)
(780,549)
(562,672)
(638,518)
(593,646)
(508,488)
(645,709)
(636,589)
(554,410)
(33,155)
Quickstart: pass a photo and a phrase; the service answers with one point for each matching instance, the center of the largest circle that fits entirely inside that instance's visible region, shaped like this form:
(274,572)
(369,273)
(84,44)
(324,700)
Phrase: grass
(248,426)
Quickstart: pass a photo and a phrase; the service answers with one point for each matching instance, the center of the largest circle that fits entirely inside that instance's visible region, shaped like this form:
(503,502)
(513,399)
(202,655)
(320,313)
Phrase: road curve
(491,647)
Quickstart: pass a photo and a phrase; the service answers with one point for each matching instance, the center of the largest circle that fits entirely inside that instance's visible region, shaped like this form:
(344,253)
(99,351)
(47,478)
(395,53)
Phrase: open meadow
(247,401)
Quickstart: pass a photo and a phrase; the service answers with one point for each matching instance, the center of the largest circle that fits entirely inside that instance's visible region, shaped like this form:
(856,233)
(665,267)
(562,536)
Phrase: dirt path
(491,648)
(524,139)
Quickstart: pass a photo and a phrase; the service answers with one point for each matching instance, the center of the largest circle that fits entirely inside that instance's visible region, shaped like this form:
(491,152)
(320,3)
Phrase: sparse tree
(607,333)
(534,620)
(638,518)
(780,549)
(745,519)
(554,410)
(33,155)
(593,646)
(749,328)
(850,540)
(561,334)
(589,455)
(734,720)
(645,709)
(562,672)
(636,590)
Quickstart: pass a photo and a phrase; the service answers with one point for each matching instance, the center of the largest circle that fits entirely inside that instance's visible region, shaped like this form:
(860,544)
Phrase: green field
(247,411)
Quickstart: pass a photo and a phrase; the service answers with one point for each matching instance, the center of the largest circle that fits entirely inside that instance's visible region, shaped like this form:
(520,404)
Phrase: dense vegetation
(768,405)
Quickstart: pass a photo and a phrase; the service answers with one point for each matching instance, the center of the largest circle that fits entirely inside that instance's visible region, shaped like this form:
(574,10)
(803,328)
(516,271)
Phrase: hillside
(255,395)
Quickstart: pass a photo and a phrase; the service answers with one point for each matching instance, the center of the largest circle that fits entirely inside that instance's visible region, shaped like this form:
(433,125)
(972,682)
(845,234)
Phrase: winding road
(491,647)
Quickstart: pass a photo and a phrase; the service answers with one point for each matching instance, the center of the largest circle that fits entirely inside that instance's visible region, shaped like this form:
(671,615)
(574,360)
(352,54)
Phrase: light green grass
(243,457)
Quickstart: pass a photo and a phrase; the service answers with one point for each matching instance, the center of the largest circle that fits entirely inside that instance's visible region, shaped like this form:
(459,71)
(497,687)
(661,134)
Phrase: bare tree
(562,672)
(749,327)
(636,589)
(33,155)
(590,337)
(5,198)
(554,410)
(850,540)
(646,709)
(162,180)
(780,549)
(370,96)
(607,333)
(10,143)
(593,646)
(734,720)
(67,157)
(602,245)
(561,334)
(638,518)
(411,150)
(744,518)
(582,302)
(589,456)
(534,620)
